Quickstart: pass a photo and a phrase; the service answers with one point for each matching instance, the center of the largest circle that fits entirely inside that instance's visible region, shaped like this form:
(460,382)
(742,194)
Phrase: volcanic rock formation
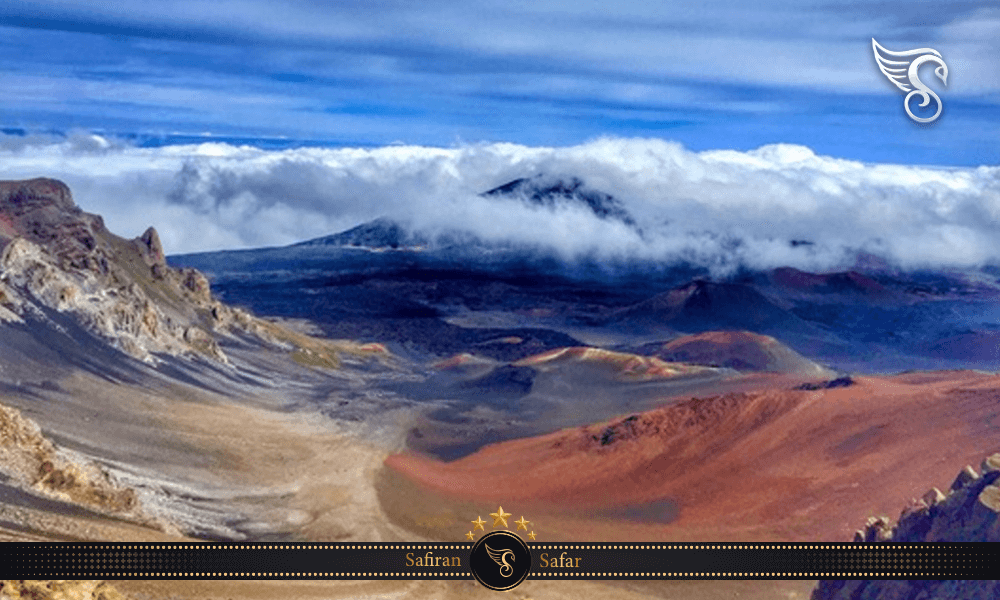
(55,257)
(31,460)
(970,512)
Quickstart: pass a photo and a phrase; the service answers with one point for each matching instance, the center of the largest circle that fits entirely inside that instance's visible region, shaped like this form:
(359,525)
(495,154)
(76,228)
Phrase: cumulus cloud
(719,209)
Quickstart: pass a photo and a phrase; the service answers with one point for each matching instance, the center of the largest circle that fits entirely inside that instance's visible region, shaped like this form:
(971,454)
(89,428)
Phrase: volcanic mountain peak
(384,232)
(58,258)
(380,233)
(740,350)
(702,295)
(547,191)
(702,305)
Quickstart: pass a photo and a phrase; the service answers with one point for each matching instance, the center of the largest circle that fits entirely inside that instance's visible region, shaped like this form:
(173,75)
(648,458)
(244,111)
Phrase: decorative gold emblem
(500,558)
(500,520)
(478,524)
(500,517)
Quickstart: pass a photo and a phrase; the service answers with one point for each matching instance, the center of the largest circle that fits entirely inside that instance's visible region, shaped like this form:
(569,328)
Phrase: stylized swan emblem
(500,558)
(902,69)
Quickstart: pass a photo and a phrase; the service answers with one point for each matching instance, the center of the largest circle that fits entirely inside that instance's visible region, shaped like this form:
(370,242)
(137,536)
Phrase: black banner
(548,561)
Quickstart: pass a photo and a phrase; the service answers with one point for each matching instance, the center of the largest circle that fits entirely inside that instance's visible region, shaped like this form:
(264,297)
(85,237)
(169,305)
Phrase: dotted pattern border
(933,561)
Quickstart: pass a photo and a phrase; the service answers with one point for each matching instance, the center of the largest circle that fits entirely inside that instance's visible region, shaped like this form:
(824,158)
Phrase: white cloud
(719,208)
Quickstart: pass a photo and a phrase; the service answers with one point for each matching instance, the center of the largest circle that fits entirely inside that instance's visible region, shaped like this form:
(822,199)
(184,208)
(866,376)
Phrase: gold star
(499,517)
(522,524)
(479,524)
(469,535)
(531,536)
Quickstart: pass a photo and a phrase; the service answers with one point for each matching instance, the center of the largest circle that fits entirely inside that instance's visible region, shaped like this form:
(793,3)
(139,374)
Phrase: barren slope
(773,465)
(741,350)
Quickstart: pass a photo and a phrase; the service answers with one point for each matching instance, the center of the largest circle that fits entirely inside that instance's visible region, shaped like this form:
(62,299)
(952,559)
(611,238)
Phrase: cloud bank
(719,209)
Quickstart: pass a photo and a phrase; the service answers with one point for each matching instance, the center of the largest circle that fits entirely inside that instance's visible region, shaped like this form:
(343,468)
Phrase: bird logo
(500,558)
(902,69)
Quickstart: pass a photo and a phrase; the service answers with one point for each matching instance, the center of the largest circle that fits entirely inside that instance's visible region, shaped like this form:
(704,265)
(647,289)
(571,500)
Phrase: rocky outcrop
(969,512)
(150,248)
(28,459)
(54,256)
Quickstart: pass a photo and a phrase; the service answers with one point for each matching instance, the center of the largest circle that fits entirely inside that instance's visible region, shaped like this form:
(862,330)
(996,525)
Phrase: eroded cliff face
(54,256)
(969,512)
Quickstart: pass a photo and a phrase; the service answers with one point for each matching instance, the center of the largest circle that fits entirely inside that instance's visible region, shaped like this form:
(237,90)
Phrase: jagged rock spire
(150,247)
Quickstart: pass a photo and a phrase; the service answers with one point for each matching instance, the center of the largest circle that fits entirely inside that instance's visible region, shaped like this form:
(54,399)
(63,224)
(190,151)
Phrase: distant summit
(740,350)
(702,305)
(542,190)
(380,233)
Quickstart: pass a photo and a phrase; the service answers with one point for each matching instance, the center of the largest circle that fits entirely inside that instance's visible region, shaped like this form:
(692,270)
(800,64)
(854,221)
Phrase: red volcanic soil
(775,465)
(741,350)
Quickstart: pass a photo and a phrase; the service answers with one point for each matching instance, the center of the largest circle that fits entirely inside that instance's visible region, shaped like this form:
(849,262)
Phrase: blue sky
(717,74)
